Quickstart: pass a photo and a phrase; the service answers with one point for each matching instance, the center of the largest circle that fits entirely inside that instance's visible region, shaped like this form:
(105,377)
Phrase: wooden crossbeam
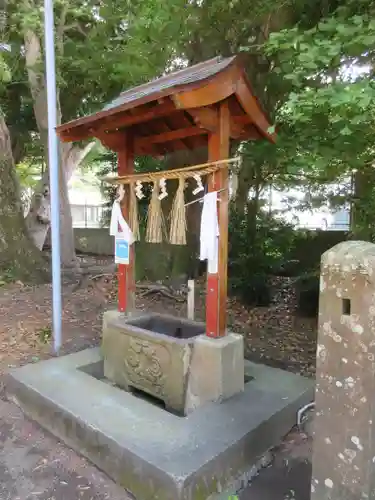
(164,125)
(117,121)
(169,136)
(208,118)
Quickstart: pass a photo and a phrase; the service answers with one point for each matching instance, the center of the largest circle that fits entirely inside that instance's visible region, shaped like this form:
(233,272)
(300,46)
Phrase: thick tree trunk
(19,258)
(38,219)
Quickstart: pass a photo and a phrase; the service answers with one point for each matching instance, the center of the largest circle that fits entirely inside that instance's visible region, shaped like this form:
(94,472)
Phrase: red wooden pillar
(216,299)
(126,281)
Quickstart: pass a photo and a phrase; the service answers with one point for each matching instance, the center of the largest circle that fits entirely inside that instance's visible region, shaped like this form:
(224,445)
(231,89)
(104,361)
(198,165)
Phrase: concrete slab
(147,450)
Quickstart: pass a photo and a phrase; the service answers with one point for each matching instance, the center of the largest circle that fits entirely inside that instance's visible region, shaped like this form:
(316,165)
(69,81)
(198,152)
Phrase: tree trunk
(362,208)
(38,219)
(251,216)
(19,258)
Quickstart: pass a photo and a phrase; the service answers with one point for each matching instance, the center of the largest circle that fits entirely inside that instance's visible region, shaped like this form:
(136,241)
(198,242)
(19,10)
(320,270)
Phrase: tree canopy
(311,64)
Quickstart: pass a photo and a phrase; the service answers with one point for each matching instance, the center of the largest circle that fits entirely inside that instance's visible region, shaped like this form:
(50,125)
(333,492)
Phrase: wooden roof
(177,110)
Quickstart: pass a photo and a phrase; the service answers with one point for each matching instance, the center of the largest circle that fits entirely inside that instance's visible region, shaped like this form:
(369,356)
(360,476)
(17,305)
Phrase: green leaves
(336,41)
(327,119)
(312,73)
(5,74)
(271,130)
(345,131)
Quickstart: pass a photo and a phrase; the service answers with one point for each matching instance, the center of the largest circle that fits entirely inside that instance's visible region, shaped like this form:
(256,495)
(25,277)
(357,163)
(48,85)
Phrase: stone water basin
(151,353)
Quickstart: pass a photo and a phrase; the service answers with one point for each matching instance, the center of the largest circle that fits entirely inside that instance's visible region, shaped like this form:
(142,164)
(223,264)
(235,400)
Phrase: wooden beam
(146,149)
(249,132)
(126,280)
(181,120)
(242,119)
(208,118)
(117,140)
(251,106)
(224,133)
(116,121)
(214,91)
(165,126)
(216,307)
(169,136)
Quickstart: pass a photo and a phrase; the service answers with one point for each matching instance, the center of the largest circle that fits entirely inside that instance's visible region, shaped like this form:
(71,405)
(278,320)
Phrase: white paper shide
(209,236)
(124,237)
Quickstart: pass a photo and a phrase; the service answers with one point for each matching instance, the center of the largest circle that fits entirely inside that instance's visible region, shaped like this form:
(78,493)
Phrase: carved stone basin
(171,359)
(151,353)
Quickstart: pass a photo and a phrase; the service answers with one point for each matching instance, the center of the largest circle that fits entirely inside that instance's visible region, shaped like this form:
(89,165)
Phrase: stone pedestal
(344,437)
(171,359)
(216,370)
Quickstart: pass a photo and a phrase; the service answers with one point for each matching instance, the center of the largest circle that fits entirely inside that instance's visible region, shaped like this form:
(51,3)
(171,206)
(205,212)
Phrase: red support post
(216,299)
(126,281)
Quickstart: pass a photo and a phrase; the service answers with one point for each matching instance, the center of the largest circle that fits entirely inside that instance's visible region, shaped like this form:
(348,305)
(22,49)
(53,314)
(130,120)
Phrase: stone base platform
(149,451)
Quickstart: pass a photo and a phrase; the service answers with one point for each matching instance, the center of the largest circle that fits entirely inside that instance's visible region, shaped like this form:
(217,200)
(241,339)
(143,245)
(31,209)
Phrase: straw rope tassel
(178,217)
(154,232)
(133,213)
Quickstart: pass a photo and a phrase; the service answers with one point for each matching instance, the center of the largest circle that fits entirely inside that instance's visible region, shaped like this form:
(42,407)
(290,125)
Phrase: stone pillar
(344,440)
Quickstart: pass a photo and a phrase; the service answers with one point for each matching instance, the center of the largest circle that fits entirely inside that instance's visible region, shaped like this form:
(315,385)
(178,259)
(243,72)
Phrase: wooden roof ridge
(191,92)
(167,78)
(161,85)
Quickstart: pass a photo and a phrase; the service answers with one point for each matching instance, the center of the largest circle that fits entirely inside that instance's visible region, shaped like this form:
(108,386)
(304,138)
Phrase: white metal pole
(191,300)
(53,162)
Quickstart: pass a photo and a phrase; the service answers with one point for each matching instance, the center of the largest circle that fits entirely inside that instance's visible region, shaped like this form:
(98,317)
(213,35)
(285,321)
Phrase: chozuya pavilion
(204,428)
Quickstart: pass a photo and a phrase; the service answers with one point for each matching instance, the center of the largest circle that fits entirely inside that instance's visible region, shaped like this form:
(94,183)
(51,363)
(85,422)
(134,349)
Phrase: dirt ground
(34,465)
(273,335)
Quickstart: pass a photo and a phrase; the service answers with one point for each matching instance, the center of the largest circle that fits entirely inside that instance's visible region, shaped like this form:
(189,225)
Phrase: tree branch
(33,55)
(72,157)
(71,26)
(61,28)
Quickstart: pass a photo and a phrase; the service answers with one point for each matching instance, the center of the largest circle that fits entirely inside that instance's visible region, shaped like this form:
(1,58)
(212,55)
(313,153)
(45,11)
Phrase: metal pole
(191,300)
(53,162)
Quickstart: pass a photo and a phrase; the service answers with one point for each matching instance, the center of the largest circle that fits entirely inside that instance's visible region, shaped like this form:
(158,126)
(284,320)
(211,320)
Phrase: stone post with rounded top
(344,434)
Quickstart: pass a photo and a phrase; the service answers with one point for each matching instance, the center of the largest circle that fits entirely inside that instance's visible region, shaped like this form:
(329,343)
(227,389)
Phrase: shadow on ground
(281,481)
